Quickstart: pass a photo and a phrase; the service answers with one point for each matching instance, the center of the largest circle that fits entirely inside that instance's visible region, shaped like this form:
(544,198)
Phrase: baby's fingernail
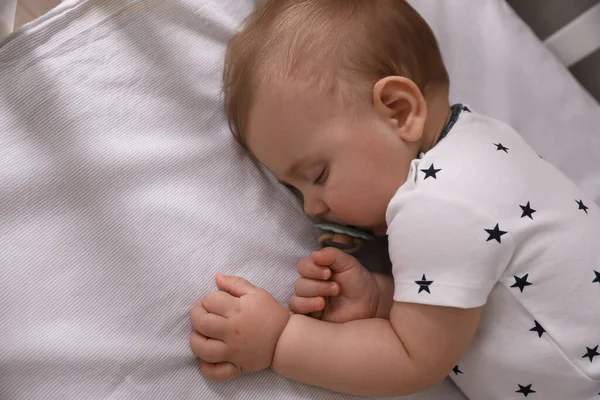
(319,303)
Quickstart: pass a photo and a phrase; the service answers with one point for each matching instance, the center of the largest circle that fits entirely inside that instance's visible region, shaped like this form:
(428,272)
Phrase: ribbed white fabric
(122,192)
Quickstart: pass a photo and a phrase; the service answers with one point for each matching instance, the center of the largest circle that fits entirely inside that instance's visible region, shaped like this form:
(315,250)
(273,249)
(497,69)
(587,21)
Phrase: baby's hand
(350,289)
(236,329)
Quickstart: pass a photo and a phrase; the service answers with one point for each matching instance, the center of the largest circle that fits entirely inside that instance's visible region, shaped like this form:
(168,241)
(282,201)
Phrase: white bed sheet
(122,192)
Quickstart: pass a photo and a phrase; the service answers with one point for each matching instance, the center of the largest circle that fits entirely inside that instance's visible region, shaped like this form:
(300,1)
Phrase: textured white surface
(122,192)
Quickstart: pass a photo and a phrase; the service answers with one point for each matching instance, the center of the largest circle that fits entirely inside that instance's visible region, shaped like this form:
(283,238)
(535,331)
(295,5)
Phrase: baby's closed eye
(317,175)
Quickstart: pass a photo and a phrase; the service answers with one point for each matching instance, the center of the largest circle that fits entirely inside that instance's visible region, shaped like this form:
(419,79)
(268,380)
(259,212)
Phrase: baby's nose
(314,207)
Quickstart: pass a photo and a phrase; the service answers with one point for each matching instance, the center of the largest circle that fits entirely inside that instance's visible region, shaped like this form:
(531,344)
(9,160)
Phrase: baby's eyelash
(321,178)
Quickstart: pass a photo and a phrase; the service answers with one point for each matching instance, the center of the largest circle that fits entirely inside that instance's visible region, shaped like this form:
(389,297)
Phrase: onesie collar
(457,109)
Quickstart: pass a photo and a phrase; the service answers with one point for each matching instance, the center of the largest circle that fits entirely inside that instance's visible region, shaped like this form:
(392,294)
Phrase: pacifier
(346,238)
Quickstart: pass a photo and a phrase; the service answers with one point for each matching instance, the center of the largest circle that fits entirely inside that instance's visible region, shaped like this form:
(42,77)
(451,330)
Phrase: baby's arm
(344,357)
(242,329)
(411,352)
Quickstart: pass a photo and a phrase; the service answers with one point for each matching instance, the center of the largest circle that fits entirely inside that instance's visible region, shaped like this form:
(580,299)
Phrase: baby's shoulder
(485,165)
(482,159)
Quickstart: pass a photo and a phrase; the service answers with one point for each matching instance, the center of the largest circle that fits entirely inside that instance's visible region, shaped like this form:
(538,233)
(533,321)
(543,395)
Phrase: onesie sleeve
(444,250)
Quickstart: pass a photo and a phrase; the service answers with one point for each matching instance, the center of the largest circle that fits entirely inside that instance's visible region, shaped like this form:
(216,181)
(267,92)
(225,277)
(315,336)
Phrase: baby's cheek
(374,203)
(358,207)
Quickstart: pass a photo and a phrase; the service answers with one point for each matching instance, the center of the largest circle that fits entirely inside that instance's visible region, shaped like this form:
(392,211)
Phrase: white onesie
(482,220)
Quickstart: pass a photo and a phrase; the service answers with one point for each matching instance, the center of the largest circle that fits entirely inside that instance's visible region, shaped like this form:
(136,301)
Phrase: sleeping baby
(495,253)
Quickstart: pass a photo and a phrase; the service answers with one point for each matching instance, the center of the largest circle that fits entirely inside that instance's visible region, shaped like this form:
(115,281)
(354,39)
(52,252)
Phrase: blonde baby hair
(340,46)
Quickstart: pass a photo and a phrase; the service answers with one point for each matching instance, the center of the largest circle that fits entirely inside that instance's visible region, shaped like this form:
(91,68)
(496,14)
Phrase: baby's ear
(399,101)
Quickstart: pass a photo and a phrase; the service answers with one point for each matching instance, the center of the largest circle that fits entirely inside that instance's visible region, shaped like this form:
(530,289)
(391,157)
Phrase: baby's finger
(210,325)
(218,372)
(325,257)
(221,303)
(306,305)
(207,349)
(313,288)
(308,269)
(197,312)
(335,259)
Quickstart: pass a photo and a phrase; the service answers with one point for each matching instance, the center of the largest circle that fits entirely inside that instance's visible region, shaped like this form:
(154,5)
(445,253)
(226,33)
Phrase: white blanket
(122,192)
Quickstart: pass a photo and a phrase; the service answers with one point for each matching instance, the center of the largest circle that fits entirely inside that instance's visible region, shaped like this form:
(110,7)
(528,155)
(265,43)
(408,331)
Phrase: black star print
(538,328)
(457,370)
(424,284)
(430,172)
(521,282)
(500,147)
(591,353)
(495,234)
(597,277)
(465,108)
(527,210)
(582,206)
(526,390)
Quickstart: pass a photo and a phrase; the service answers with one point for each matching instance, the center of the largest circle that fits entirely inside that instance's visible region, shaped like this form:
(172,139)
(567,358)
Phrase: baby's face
(348,164)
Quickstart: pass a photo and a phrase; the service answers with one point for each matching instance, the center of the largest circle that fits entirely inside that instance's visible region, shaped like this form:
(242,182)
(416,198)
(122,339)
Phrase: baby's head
(335,98)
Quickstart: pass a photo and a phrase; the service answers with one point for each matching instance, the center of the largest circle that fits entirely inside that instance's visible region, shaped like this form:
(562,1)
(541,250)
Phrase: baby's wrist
(278,341)
(286,344)
(385,295)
